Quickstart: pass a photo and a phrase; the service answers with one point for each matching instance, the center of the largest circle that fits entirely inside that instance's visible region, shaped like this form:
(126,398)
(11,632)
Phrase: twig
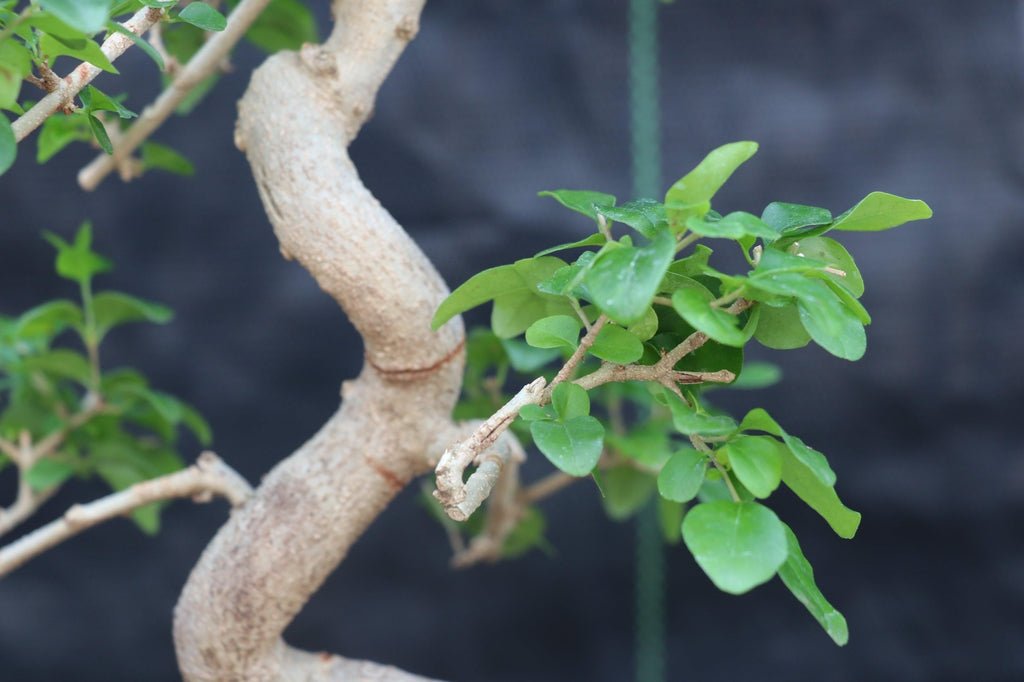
(83,74)
(547,486)
(581,350)
(209,476)
(701,445)
(207,60)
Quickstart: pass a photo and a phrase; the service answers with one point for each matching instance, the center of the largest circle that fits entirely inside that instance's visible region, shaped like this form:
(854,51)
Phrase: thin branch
(62,97)
(209,476)
(577,357)
(547,486)
(205,62)
(701,445)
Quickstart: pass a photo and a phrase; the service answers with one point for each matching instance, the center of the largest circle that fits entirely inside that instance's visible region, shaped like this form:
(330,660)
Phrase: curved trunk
(295,123)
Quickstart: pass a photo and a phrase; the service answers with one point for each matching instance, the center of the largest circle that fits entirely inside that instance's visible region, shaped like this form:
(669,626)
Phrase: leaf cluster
(109,423)
(644,278)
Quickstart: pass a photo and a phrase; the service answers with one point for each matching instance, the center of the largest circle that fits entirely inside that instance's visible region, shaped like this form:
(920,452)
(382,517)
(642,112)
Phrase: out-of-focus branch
(208,477)
(69,86)
(204,63)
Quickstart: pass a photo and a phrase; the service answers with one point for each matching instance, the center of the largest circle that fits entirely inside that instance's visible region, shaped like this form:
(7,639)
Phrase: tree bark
(296,119)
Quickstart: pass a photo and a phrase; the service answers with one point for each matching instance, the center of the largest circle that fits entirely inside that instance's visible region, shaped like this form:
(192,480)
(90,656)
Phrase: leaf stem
(701,445)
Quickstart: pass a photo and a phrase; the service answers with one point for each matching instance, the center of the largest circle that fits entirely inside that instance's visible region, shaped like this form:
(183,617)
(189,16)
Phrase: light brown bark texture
(296,119)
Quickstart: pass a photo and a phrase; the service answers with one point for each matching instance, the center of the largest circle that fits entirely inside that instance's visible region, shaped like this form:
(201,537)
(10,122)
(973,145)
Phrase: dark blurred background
(491,103)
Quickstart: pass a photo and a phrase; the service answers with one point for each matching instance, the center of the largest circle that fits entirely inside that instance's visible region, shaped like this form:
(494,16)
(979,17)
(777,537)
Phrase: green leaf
(690,422)
(615,344)
(626,491)
(96,100)
(832,325)
(48,320)
(61,363)
(670,518)
(197,424)
(623,281)
(15,64)
(646,327)
(52,46)
(695,307)
(738,545)
(201,15)
(646,444)
(161,157)
(758,375)
(48,473)
(88,16)
(557,331)
(283,25)
(581,201)
(532,413)
(881,211)
(140,42)
(112,308)
(100,133)
(792,218)
(780,328)
(570,401)
(818,496)
(834,254)
(682,476)
(574,446)
(759,420)
(757,463)
(77,261)
(527,534)
(59,131)
(646,216)
(691,194)
(596,239)
(8,145)
(525,358)
(798,576)
(733,226)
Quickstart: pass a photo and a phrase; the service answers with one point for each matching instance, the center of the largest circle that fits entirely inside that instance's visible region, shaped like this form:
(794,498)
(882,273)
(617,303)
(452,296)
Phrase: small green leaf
(15,64)
(623,281)
(758,375)
(780,328)
(616,345)
(596,239)
(88,16)
(682,476)
(881,211)
(798,576)
(626,491)
(283,25)
(818,496)
(78,262)
(48,473)
(691,194)
(574,446)
(792,218)
(646,444)
(59,131)
(647,327)
(96,100)
(695,307)
(525,358)
(162,157)
(48,320)
(738,545)
(8,145)
(201,15)
(527,534)
(758,419)
(52,46)
(140,42)
(113,308)
(733,226)
(197,424)
(100,133)
(570,401)
(532,413)
(834,254)
(756,462)
(581,201)
(832,325)
(557,331)
(646,216)
(690,422)
(670,518)
(61,363)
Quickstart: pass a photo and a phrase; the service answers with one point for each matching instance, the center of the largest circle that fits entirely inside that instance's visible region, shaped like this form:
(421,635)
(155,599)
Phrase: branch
(207,60)
(209,476)
(69,86)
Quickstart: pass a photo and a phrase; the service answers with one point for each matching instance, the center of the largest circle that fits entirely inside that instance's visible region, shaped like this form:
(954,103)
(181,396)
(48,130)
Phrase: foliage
(111,422)
(655,293)
(35,35)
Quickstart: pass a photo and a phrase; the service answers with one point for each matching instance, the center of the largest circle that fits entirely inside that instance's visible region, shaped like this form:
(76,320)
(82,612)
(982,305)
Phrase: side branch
(69,86)
(209,476)
(207,60)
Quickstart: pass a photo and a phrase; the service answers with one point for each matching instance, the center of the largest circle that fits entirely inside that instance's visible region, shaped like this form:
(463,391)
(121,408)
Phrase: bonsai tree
(602,354)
